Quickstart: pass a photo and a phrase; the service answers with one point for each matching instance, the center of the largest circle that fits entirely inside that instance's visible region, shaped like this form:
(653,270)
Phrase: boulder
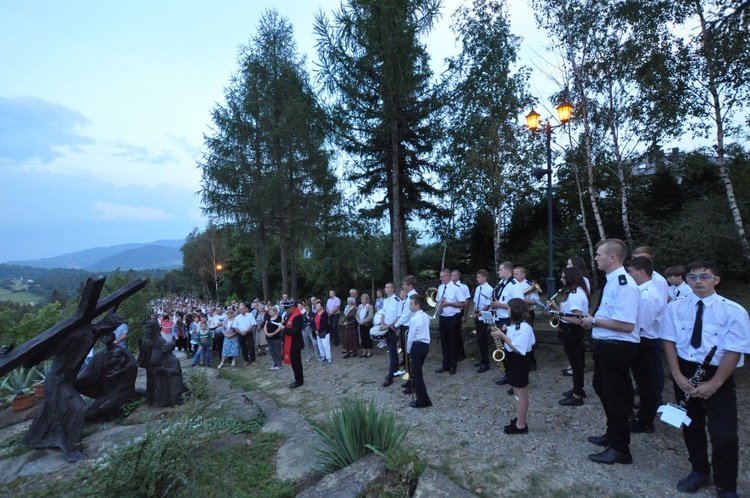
(349,482)
(433,484)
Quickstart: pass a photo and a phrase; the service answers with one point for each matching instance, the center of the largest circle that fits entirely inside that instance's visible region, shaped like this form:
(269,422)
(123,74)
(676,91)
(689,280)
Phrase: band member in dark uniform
(450,301)
(692,325)
(616,347)
(482,302)
(575,300)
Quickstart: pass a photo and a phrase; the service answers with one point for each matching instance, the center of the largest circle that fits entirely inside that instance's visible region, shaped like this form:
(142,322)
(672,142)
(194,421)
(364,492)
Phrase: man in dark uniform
(616,348)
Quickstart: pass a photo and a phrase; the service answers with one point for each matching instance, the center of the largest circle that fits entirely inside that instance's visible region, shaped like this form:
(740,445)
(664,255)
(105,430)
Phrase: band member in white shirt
(450,301)
(482,302)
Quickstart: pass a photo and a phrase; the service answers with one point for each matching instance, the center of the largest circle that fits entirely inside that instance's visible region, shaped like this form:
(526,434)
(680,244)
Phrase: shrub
(197,384)
(356,427)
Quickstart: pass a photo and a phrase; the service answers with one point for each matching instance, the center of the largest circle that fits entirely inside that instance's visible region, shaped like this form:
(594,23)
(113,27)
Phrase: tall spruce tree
(265,168)
(384,106)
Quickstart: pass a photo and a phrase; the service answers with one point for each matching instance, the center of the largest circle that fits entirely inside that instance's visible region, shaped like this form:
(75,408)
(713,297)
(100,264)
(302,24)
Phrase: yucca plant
(353,429)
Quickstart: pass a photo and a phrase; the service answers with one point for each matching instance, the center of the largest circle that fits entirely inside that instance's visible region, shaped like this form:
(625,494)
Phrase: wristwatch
(593,322)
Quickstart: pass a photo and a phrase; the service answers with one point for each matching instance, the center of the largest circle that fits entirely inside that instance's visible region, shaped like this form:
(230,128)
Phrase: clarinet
(697,377)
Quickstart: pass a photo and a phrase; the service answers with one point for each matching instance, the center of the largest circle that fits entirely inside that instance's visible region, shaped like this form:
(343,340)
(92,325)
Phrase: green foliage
(354,428)
(135,308)
(197,383)
(19,381)
(18,330)
(163,461)
(403,471)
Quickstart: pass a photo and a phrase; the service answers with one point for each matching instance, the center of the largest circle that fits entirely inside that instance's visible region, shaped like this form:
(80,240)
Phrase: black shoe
(406,384)
(611,456)
(452,371)
(419,404)
(568,394)
(408,391)
(347,355)
(502,381)
(571,401)
(636,426)
(483,368)
(512,428)
(478,364)
(387,382)
(441,370)
(726,494)
(599,440)
(510,391)
(294,385)
(567,372)
(693,483)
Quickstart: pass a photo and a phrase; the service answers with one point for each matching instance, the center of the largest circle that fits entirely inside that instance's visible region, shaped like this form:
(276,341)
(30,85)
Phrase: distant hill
(161,254)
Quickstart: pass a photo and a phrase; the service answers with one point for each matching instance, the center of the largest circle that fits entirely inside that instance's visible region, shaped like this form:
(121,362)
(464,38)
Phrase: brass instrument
(532,288)
(499,353)
(431,300)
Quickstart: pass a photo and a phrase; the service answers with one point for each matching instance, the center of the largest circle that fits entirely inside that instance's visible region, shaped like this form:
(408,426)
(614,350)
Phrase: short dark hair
(483,273)
(641,263)
(646,250)
(675,271)
(519,310)
(703,264)
(418,300)
(507,265)
(409,280)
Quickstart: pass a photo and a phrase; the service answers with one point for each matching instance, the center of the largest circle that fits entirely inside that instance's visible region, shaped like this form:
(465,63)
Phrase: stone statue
(151,332)
(59,424)
(169,386)
(110,379)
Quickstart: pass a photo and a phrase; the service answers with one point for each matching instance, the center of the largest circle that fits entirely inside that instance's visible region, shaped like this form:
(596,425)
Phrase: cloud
(139,154)
(113,211)
(34,128)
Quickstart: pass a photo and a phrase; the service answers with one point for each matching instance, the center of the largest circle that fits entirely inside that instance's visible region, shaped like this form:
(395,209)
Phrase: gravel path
(462,434)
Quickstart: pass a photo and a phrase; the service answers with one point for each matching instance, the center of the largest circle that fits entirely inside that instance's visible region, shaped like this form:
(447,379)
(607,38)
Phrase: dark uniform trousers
(483,341)
(295,355)
(721,412)
(644,376)
(572,341)
(612,363)
(393,360)
(449,337)
(419,352)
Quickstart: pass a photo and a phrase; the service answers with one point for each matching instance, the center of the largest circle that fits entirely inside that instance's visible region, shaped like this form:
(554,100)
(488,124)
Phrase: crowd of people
(640,319)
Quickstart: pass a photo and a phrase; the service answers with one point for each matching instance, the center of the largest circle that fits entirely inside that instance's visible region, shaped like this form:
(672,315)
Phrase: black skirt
(518,369)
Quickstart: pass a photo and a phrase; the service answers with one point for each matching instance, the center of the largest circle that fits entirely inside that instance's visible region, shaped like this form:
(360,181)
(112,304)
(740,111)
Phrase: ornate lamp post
(532,121)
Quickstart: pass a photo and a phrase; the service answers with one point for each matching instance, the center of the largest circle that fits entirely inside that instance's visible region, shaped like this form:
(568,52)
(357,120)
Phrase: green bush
(197,384)
(354,428)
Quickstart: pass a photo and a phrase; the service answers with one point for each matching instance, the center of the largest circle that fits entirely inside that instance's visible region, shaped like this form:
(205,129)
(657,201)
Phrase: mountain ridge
(160,254)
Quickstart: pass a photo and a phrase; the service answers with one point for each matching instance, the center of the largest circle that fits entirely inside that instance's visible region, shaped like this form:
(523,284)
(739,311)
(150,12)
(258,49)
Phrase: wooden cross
(89,308)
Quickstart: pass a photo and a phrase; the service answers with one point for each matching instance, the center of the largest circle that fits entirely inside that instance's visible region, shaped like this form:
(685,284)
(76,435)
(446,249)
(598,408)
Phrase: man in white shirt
(392,308)
(402,324)
(676,279)
(466,295)
(333,306)
(121,335)
(482,302)
(691,327)
(658,281)
(450,301)
(215,326)
(508,288)
(616,348)
(244,324)
(648,370)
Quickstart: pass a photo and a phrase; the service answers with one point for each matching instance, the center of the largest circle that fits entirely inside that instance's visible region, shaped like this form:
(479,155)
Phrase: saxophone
(499,353)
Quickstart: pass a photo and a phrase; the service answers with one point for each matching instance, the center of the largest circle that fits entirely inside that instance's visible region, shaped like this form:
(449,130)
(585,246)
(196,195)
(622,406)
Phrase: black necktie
(677,294)
(695,341)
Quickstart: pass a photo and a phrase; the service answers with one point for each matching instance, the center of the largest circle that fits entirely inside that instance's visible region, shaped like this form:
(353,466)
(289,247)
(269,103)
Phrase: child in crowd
(273,332)
(677,285)
(518,338)
(418,347)
(203,338)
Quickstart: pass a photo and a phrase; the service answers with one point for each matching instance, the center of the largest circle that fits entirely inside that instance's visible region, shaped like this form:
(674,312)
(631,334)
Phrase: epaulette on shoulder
(529,282)
(513,281)
(397,298)
(622,279)
(574,291)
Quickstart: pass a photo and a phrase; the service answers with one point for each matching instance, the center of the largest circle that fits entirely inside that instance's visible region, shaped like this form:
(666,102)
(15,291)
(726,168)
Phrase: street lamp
(532,121)
(218,269)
